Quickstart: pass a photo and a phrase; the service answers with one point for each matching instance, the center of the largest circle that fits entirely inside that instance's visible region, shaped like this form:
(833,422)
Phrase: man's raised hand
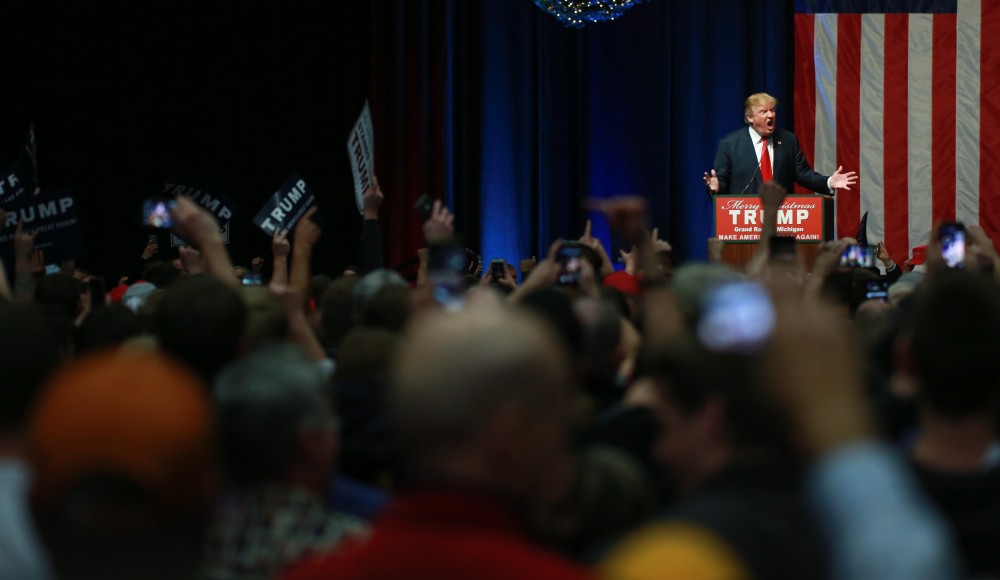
(841,180)
(439,227)
(711,181)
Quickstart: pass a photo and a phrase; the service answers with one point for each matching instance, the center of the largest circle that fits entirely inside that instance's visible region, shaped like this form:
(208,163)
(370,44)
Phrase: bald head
(459,370)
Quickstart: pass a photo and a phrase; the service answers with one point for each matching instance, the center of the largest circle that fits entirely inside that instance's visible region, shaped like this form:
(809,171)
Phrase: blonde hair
(757,100)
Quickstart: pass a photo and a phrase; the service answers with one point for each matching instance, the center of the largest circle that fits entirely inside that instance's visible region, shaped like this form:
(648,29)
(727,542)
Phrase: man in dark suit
(761,152)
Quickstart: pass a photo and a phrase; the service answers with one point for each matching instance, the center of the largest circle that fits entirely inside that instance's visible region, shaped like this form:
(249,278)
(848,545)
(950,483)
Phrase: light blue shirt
(21,554)
(877,520)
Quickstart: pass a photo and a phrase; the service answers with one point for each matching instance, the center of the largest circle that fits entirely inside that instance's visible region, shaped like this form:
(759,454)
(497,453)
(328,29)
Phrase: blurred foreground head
(483,397)
(121,447)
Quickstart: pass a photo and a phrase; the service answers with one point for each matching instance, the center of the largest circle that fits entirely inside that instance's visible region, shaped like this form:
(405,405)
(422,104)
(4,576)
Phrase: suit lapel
(750,150)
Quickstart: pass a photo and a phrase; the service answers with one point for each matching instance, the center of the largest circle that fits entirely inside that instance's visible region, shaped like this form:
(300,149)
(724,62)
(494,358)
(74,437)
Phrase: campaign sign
(284,209)
(361,151)
(740,218)
(52,214)
(215,201)
(17,180)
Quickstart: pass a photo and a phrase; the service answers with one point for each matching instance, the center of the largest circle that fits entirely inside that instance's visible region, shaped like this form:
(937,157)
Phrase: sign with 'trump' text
(284,209)
(361,151)
(52,214)
(740,218)
(215,201)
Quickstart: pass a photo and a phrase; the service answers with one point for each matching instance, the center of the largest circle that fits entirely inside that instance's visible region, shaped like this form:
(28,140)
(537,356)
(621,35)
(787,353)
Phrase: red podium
(738,223)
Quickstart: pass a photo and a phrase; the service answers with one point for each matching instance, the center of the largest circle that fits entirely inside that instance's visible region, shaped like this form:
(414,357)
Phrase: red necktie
(765,163)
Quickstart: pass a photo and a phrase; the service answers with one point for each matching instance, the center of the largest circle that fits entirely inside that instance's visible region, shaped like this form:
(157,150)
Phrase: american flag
(906,93)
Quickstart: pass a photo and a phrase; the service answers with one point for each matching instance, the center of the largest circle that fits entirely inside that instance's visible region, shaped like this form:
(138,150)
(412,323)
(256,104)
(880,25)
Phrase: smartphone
(98,295)
(569,257)
(859,257)
(782,248)
(156,213)
(498,269)
(877,290)
(251,279)
(152,239)
(446,270)
(737,317)
(952,236)
(52,269)
(424,207)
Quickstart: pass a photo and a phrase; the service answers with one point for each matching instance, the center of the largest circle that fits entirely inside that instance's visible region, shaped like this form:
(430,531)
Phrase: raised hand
(150,250)
(306,231)
(772,195)
(190,259)
(194,223)
(24,242)
(711,181)
(841,180)
(658,244)
(373,198)
(631,260)
(439,227)
(280,247)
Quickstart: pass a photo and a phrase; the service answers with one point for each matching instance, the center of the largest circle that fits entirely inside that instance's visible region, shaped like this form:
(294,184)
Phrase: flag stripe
(943,117)
(826,95)
(805,88)
(896,146)
(967,113)
(919,126)
(989,104)
(848,112)
(871,172)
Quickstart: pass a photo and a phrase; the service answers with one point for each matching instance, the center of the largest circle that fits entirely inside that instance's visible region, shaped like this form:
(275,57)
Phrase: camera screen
(953,245)
(736,318)
(569,257)
(156,213)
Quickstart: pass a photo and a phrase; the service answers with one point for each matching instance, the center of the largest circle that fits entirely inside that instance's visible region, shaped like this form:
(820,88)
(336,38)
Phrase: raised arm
(196,225)
(305,237)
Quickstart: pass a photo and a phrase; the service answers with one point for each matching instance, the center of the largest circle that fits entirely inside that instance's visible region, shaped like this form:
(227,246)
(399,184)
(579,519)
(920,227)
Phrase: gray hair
(370,284)
(261,402)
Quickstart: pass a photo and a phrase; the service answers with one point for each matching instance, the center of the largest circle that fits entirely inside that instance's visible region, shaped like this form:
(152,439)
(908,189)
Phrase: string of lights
(579,13)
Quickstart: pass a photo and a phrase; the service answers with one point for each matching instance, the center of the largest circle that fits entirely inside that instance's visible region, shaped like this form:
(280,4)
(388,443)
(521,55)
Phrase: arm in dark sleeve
(894,274)
(723,166)
(370,251)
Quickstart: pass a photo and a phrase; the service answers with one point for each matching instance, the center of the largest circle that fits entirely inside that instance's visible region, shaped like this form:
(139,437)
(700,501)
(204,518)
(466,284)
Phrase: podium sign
(738,218)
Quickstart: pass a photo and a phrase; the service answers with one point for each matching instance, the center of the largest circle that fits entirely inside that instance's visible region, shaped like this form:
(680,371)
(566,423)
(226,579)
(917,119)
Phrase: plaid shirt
(259,533)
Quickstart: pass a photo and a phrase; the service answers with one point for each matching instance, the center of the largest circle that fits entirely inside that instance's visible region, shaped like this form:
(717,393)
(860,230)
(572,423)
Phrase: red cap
(919,255)
(623,282)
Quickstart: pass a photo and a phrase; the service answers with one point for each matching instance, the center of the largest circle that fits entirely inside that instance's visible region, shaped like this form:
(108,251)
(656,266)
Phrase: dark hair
(689,376)
(107,327)
(160,274)
(389,308)
(262,402)
(556,309)
(28,354)
(200,321)
(956,341)
(336,308)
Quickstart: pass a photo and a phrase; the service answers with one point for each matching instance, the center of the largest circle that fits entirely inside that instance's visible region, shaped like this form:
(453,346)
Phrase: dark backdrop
(492,105)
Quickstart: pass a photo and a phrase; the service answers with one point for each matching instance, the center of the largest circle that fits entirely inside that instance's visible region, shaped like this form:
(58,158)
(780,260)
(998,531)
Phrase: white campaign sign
(361,151)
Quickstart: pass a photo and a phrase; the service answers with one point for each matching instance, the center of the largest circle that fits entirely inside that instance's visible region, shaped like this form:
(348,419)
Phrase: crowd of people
(663,420)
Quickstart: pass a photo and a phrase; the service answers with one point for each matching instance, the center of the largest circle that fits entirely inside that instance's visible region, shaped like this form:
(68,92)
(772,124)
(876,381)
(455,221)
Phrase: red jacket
(441,534)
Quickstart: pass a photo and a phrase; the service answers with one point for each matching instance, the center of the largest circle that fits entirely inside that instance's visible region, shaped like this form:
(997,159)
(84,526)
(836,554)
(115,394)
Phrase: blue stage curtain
(536,117)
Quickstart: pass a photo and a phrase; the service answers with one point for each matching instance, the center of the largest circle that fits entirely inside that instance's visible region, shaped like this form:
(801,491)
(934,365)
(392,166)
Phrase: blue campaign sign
(284,209)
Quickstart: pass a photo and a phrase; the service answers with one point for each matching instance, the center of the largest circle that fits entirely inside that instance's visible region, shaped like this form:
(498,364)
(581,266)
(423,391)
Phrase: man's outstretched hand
(841,180)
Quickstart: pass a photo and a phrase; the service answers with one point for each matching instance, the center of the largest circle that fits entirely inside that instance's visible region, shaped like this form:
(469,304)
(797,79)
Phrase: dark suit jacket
(736,164)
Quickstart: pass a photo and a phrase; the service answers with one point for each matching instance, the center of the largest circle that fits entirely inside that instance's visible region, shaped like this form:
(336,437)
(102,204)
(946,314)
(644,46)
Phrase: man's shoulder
(782,135)
(736,135)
